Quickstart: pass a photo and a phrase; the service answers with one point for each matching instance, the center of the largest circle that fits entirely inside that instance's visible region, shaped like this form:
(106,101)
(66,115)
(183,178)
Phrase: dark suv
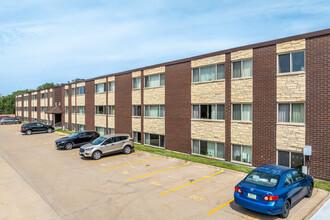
(36,127)
(76,139)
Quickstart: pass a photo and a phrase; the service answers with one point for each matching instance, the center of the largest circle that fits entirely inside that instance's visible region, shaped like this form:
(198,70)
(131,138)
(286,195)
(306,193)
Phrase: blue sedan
(273,189)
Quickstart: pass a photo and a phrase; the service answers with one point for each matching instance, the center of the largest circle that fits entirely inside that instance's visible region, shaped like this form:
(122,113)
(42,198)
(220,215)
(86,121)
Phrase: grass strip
(64,131)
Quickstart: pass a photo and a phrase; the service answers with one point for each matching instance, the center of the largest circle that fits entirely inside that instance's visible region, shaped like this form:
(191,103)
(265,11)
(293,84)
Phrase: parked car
(9,120)
(76,139)
(36,127)
(3,116)
(108,144)
(273,189)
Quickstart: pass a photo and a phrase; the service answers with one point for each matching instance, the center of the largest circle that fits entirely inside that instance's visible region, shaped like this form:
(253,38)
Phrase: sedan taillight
(131,139)
(237,189)
(270,198)
(23,129)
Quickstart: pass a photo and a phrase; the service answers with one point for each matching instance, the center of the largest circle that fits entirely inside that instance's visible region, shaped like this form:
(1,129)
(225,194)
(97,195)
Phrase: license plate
(252,196)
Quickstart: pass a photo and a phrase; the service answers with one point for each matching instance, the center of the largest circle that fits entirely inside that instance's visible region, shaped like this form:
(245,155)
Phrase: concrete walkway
(323,212)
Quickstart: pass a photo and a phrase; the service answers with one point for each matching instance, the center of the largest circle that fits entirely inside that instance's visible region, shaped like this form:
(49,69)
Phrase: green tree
(47,85)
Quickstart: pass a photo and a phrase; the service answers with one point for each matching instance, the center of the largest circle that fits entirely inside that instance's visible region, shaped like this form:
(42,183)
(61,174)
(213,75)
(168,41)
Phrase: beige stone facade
(291,46)
(111,98)
(73,100)
(208,61)
(208,92)
(111,78)
(208,130)
(241,90)
(66,87)
(111,121)
(290,137)
(241,133)
(80,84)
(136,97)
(154,96)
(80,100)
(136,124)
(152,71)
(81,119)
(66,118)
(66,101)
(73,118)
(291,88)
(154,125)
(100,98)
(241,55)
(98,81)
(100,121)
(136,74)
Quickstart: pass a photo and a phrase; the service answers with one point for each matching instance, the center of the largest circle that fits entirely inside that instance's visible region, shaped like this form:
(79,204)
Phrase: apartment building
(251,105)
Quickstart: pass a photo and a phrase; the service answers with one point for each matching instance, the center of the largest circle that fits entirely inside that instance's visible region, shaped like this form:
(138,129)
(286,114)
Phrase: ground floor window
(26,119)
(154,140)
(137,137)
(81,127)
(242,153)
(66,126)
(44,122)
(35,120)
(290,159)
(73,127)
(209,148)
(101,131)
(111,131)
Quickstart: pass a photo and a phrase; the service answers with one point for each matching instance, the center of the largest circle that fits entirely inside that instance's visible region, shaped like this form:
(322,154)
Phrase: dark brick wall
(264,106)
(123,102)
(318,104)
(30,97)
(142,108)
(178,107)
(38,106)
(62,97)
(89,105)
(228,108)
(106,104)
(70,108)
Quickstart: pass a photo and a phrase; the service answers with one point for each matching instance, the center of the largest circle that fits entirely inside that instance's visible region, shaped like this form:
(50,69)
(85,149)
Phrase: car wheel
(28,132)
(286,210)
(310,191)
(49,130)
(97,155)
(68,146)
(127,150)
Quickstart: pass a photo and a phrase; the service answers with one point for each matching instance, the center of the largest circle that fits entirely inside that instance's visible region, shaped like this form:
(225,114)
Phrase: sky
(60,40)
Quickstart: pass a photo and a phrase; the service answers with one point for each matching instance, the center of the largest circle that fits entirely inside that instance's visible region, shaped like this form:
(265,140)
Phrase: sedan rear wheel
(49,130)
(28,132)
(68,146)
(286,210)
(127,150)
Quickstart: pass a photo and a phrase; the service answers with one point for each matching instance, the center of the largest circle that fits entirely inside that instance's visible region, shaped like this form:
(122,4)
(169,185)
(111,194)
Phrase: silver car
(9,120)
(107,144)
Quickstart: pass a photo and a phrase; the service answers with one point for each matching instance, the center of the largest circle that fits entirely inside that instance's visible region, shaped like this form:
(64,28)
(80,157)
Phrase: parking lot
(39,182)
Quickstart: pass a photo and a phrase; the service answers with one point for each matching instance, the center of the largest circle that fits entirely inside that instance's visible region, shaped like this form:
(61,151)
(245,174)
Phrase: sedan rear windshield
(263,179)
(99,140)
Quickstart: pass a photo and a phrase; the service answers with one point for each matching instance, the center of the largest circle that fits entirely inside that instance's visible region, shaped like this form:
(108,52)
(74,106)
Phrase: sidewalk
(323,212)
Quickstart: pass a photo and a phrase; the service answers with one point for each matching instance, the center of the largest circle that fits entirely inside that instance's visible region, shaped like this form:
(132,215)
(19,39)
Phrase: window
(154,110)
(154,80)
(100,110)
(73,109)
(137,83)
(215,112)
(44,95)
(99,88)
(66,92)
(111,86)
(242,69)
(66,109)
(34,109)
(81,109)
(242,153)
(291,62)
(136,110)
(209,73)
(291,112)
(73,90)
(50,95)
(111,131)
(290,159)
(209,148)
(26,109)
(297,175)
(42,109)
(263,179)
(137,137)
(289,179)
(81,127)
(26,98)
(155,140)
(73,127)
(242,112)
(101,131)
(34,97)
(111,110)
(81,90)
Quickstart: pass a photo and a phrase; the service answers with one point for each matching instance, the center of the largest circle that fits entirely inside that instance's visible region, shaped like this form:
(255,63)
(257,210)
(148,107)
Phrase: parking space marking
(250,217)
(125,172)
(155,183)
(197,198)
(125,155)
(223,205)
(103,164)
(191,183)
(157,172)
(74,156)
(131,164)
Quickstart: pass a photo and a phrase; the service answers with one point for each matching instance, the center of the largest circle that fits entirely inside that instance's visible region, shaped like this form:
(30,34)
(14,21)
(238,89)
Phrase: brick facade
(228,109)
(89,105)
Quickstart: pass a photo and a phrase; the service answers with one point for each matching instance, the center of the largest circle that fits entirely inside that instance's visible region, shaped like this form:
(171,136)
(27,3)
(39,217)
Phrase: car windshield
(99,140)
(262,179)
(74,135)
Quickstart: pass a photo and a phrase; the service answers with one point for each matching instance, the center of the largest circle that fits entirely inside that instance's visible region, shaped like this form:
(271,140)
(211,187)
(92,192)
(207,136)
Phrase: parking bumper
(269,208)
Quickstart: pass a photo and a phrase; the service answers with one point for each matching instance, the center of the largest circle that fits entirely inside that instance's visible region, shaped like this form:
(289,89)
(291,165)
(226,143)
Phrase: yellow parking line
(192,182)
(209,213)
(74,156)
(94,161)
(131,163)
(157,172)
